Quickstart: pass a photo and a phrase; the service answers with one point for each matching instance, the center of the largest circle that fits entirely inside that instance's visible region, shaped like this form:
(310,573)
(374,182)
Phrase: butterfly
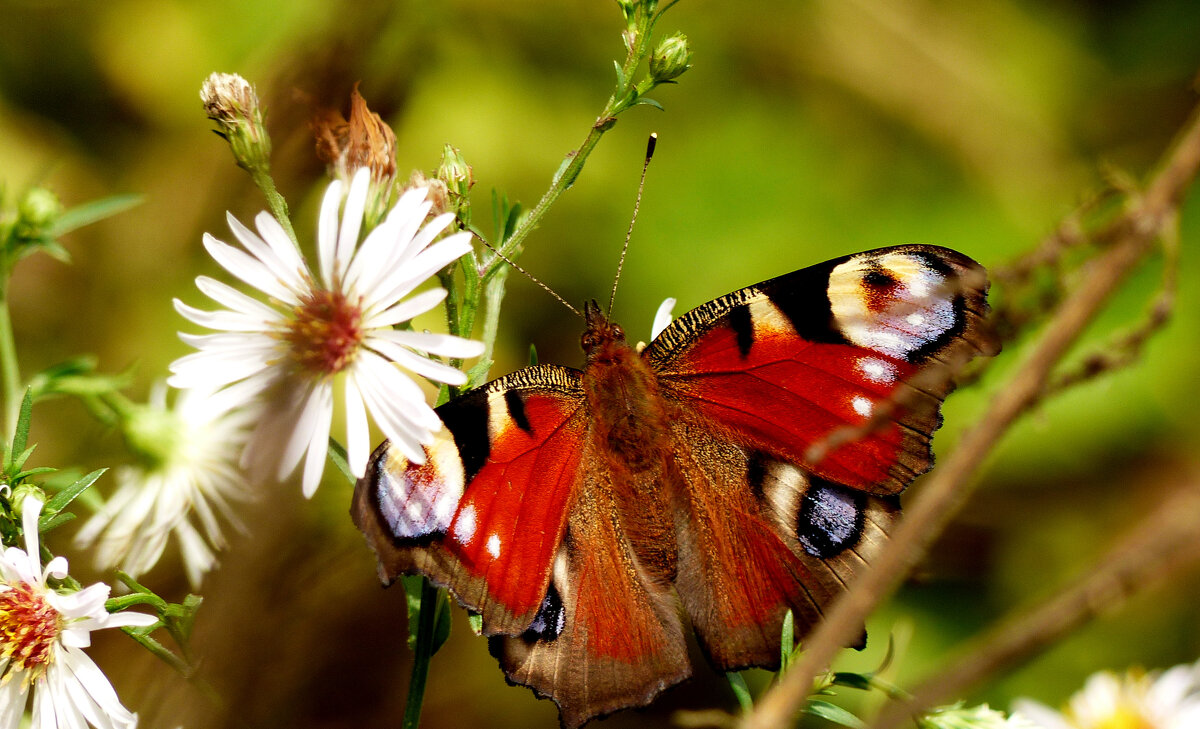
(743,464)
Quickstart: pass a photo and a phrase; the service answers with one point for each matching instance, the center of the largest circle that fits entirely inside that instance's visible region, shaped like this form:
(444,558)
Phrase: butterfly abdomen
(627,413)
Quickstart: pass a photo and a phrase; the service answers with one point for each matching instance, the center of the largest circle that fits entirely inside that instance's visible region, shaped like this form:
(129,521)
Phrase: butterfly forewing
(840,367)
(486,513)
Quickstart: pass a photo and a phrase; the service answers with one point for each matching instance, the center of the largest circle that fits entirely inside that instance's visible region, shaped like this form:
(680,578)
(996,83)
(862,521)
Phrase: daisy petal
(407,309)
(443,345)
(327,230)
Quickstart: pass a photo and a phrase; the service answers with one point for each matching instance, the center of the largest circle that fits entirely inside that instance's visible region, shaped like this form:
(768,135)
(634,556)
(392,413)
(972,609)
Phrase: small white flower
(327,338)
(189,477)
(1134,701)
(973,717)
(42,634)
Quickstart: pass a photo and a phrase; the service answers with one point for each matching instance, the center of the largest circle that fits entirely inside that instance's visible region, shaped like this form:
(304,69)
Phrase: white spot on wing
(464,526)
(877,370)
(862,406)
(493,546)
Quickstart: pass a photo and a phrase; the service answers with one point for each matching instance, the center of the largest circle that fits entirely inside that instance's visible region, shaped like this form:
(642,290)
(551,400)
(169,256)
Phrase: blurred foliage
(803,130)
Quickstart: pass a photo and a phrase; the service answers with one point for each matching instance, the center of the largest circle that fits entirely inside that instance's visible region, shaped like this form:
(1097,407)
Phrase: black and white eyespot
(902,304)
(420,501)
(830,520)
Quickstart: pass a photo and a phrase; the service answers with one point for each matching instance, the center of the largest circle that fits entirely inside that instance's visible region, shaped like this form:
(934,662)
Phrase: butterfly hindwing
(486,513)
(611,636)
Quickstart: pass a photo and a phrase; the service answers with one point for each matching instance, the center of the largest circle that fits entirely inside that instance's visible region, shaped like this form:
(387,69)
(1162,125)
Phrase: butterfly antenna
(636,204)
(531,277)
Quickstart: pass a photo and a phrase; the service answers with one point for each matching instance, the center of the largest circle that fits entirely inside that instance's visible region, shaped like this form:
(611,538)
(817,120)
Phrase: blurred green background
(804,130)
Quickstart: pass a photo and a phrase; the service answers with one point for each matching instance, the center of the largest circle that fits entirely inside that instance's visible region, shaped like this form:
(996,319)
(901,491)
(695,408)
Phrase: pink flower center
(28,628)
(326,332)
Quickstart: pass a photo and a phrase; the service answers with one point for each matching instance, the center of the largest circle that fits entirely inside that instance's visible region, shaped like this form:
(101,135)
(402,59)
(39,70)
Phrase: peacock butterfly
(743,464)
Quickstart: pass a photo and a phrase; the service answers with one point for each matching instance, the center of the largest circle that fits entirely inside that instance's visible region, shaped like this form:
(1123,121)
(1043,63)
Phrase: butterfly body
(740,466)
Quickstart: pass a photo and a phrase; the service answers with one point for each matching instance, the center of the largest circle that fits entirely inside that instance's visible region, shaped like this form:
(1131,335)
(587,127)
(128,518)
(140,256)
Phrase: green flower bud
(39,209)
(154,435)
(455,172)
(230,101)
(23,490)
(670,59)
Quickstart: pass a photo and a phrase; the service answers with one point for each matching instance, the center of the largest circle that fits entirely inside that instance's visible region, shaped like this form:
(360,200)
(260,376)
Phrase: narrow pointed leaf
(91,212)
(740,690)
(835,714)
(63,498)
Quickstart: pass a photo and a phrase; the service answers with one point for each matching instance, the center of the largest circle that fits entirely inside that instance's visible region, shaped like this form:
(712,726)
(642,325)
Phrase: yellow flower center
(28,628)
(325,333)
(1125,718)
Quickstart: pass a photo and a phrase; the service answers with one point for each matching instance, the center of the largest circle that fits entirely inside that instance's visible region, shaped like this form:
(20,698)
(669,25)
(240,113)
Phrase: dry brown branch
(1125,241)
(1163,544)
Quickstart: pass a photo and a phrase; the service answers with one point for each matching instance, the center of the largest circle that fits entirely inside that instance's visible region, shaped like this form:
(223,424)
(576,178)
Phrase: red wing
(608,636)
(840,367)
(485,515)
(758,537)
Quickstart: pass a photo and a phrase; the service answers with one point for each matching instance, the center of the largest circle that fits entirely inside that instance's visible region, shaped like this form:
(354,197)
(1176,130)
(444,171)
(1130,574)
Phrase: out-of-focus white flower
(321,339)
(1137,700)
(187,478)
(42,634)
(662,317)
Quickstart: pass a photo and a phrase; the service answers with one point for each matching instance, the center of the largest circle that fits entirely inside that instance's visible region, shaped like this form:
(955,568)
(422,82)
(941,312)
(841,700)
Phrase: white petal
(444,345)
(352,214)
(284,249)
(224,320)
(13,698)
(407,309)
(284,271)
(428,262)
(358,445)
(248,269)
(662,317)
(213,369)
(318,444)
(327,230)
(91,680)
(31,509)
(390,243)
(308,416)
(380,377)
(416,363)
(235,300)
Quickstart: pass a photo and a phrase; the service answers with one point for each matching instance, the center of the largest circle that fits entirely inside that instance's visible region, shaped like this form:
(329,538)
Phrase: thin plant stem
(426,623)
(275,201)
(10,372)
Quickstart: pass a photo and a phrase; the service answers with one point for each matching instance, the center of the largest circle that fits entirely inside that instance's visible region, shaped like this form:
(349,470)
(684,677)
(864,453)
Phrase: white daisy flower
(189,475)
(323,339)
(42,634)
(1137,700)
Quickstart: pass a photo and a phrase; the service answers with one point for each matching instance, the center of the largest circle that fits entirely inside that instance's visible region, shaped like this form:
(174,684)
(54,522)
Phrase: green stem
(275,201)
(423,653)
(10,372)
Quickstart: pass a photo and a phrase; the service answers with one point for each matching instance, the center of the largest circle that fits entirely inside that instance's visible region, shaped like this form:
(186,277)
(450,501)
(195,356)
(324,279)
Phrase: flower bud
(455,172)
(230,101)
(21,492)
(363,140)
(38,209)
(670,59)
(154,434)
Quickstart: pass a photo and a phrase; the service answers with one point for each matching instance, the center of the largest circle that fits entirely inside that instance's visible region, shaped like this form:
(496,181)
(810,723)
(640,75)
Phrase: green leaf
(835,714)
(852,680)
(52,521)
(648,102)
(63,498)
(22,475)
(441,626)
(787,641)
(533,358)
(513,220)
(19,462)
(740,690)
(622,79)
(337,454)
(21,436)
(412,595)
(88,213)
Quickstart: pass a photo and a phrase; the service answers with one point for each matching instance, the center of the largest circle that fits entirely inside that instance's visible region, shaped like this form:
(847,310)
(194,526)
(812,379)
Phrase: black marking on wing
(830,519)
(804,300)
(467,420)
(550,619)
(742,324)
(515,404)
